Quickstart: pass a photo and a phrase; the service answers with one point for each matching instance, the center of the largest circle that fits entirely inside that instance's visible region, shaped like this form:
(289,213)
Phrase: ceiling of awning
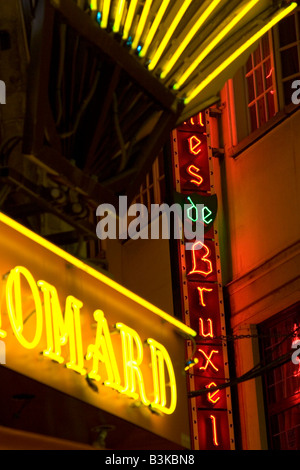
(108,80)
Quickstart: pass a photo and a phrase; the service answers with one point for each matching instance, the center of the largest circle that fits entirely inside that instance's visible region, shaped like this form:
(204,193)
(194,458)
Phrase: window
(261,86)
(288,45)
(282,384)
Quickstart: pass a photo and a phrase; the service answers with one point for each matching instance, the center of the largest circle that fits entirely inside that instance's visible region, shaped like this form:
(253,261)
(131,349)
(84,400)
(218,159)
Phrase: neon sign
(201,289)
(70,327)
(62,329)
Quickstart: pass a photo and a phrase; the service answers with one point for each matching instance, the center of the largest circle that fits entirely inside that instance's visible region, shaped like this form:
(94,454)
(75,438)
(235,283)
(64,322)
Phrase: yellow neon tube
(189,37)
(214,42)
(105,14)
(239,52)
(141,24)
(169,33)
(118,17)
(94,273)
(154,27)
(94,5)
(129,18)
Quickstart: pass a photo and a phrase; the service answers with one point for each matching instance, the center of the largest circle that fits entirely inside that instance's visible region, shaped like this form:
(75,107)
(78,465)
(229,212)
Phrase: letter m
(62,329)
(2,92)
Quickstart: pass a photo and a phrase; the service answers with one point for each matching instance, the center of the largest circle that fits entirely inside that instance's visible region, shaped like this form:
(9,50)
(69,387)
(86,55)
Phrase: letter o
(14,305)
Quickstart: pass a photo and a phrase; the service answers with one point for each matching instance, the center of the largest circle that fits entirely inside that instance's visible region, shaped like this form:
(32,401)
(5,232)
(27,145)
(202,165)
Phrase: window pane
(287,31)
(268,72)
(262,111)
(249,64)
(251,93)
(253,120)
(259,81)
(289,61)
(271,103)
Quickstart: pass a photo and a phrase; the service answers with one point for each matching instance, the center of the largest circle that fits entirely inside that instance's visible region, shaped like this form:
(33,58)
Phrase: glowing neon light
(239,52)
(211,395)
(61,329)
(201,123)
(210,328)
(119,14)
(208,360)
(214,42)
(203,258)
(190,209)
(15,307)
(102,351)
(201,296)
(270,73)
(94,5)
(141,23)
(132,373)
(94,273)
(195,28)
(154,27)
(129,18)
(194,145)
(193,170)
(214,429)
(160,358)
(106,8)
(169,33)
(206,212)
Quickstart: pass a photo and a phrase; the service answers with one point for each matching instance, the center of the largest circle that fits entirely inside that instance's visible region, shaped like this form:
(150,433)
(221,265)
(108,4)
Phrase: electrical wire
(256,371)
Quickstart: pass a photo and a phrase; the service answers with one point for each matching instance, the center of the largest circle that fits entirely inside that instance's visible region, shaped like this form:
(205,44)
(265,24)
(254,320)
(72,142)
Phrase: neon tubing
(239,52)
(154,27)
(169,33)
(189,37)
(129,18)
(141,24)
(119,14)
(214,42)
(106,8)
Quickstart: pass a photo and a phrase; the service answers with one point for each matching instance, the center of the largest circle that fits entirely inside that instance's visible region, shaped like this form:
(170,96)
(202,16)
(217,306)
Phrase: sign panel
(69,326)
(201,290)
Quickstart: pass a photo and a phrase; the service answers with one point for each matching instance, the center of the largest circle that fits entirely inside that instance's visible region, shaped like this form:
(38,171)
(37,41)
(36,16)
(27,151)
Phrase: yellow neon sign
(96,274)
(168,34)
(189,37)
(209,47)
(239,52)
(61,329)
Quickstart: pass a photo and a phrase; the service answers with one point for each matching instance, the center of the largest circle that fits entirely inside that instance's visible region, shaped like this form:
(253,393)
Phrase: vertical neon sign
(201,293)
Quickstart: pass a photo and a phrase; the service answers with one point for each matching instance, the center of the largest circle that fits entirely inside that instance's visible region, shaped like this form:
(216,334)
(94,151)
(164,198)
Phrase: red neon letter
(193,170)
(211,395)
(204,258)
(208,359)
(201,297)
(194,145)
(214,429)
(210,329)
(201,123)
